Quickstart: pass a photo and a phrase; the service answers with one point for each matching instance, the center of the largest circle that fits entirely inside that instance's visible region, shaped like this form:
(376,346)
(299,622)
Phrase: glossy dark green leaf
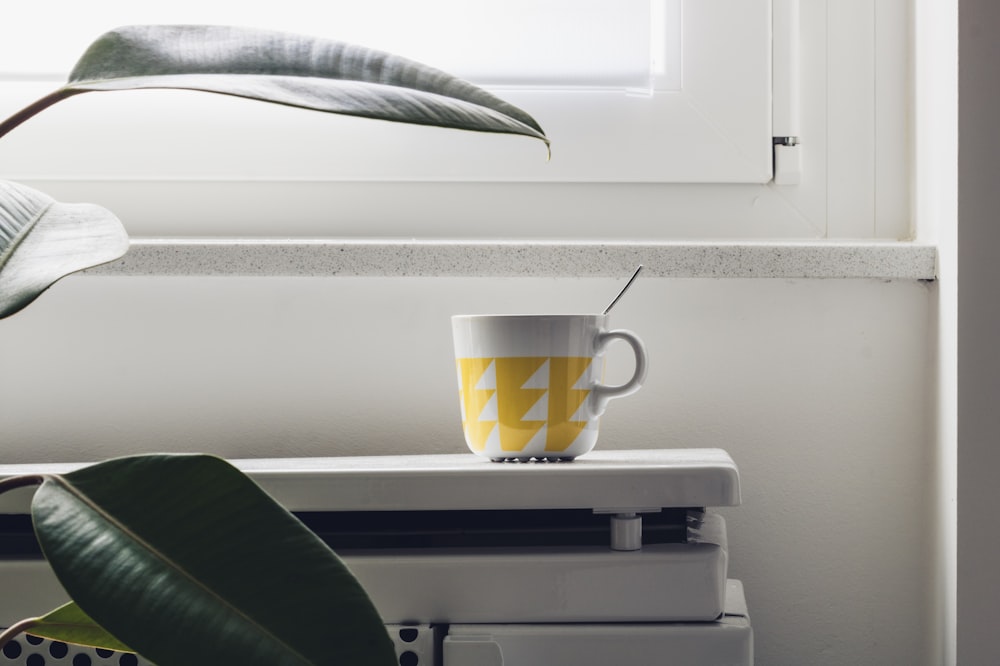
(296,70)
(189,562)
(70,624)
(42,240)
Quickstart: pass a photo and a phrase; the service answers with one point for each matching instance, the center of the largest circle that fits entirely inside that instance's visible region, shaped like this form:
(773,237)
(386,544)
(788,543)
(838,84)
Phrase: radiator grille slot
(349,530)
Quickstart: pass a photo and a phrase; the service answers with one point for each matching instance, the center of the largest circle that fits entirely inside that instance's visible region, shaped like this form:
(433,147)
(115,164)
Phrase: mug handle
(602,393)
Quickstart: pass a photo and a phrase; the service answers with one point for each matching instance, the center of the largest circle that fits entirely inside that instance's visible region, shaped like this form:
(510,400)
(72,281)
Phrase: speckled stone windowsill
(820,259)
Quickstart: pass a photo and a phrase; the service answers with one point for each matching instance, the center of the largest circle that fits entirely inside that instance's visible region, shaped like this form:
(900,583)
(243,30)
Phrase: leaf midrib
(103,514)
(23,232)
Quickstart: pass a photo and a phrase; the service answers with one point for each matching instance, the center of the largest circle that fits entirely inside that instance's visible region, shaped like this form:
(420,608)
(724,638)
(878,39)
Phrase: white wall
(817,388)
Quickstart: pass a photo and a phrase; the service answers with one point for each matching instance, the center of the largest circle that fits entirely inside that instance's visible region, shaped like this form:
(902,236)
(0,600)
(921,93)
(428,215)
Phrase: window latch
(787,160)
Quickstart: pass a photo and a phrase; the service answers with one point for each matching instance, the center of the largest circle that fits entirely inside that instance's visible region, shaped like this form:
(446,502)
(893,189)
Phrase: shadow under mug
(531,385)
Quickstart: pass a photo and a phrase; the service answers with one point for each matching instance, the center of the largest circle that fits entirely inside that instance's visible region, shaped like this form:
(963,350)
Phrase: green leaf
(70,624)
(269,66)
(284,68)
(187,561)
(42,240)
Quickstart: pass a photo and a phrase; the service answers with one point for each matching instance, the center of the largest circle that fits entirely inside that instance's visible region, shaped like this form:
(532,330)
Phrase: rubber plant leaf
(187,561)
(284,68)
(70,624)
(42,240)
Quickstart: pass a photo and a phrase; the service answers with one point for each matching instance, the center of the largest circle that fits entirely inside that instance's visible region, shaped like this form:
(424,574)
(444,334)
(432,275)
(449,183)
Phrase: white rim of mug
(530,316)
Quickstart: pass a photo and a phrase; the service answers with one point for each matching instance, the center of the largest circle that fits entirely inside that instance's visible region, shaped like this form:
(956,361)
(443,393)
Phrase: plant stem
(21,481)
(18,627)
(35,108)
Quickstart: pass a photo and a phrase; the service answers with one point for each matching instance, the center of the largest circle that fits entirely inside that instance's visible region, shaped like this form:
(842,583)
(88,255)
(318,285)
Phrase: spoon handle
(624,289)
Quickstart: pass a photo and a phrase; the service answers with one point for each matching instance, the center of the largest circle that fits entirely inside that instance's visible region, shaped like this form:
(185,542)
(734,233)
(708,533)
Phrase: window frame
(845,149)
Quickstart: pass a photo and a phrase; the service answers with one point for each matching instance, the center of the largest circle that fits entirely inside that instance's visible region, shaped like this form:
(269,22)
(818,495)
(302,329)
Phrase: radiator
(617,557)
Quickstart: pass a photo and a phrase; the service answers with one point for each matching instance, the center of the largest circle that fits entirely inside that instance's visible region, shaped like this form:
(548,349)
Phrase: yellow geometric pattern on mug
(514,398)
(473,400)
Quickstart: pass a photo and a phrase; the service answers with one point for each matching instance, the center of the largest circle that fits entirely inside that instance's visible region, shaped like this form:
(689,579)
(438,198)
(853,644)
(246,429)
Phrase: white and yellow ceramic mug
(531,385)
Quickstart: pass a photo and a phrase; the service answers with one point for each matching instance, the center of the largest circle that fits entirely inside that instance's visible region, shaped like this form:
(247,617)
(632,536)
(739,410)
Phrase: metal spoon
(624,289)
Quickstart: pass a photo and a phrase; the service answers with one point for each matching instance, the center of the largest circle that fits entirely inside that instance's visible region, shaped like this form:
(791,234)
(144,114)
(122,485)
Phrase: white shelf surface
(605,481)
(403,258)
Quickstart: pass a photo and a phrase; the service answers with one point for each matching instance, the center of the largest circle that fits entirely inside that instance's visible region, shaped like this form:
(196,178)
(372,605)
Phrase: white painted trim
(786,69)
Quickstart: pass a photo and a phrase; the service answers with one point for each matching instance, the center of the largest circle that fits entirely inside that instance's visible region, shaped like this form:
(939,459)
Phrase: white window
(661,114)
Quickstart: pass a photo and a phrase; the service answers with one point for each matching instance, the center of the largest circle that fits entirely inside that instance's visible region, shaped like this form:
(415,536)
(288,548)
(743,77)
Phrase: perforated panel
(415,646)
(33,651)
